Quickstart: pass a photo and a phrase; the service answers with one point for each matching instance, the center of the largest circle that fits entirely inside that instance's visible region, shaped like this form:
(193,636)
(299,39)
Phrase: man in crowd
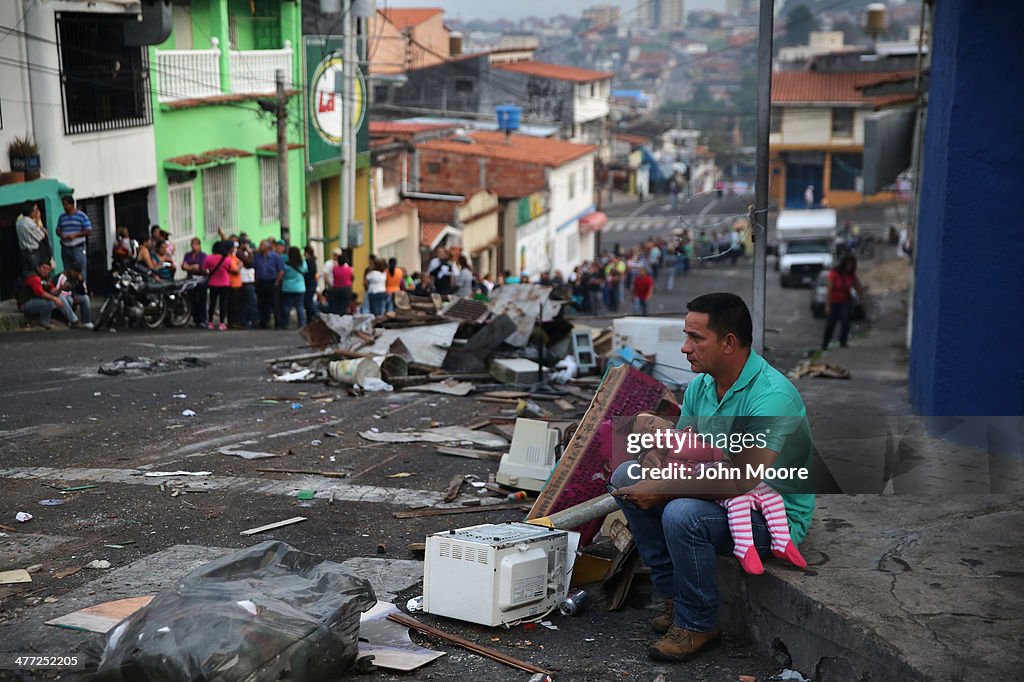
(73,227)
(269,267)
(33,242)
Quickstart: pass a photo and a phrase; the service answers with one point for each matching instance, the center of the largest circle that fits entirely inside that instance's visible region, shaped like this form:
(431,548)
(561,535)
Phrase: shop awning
(592,222)
(33,190)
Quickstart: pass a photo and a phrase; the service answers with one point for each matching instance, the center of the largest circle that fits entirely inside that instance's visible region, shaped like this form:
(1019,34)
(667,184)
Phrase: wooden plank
(564,405)
(18,575)
(470,453)
(419,513)
(272,526)
(101,618)
(480,649)
(454,487)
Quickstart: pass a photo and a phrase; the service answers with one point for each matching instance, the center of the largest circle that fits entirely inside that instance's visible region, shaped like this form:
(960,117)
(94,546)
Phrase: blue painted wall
(968,338)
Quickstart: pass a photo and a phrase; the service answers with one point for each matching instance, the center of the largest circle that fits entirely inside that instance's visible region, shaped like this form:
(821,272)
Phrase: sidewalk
(899,587)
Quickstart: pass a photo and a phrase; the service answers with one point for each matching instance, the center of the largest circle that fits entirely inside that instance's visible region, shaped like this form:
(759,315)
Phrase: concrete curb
(804,633)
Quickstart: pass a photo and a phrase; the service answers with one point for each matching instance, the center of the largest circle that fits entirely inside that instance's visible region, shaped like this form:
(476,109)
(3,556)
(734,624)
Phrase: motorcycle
(137,299)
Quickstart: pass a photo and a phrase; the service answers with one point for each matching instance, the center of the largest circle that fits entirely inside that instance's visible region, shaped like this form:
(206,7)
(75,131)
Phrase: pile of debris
(518,337)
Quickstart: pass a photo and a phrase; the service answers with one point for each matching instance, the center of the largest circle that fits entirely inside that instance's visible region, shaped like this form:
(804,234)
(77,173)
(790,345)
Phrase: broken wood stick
(311,472)
(470,453)
(418,513)
(454,487)
(272,526)
(478,649)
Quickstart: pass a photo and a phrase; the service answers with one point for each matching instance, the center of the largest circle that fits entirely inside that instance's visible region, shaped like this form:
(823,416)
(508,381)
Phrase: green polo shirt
(765,404)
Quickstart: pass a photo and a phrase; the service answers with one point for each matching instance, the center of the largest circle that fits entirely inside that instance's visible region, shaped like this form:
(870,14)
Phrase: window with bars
(180,213)
(269,211)
(104,83)
(219,199)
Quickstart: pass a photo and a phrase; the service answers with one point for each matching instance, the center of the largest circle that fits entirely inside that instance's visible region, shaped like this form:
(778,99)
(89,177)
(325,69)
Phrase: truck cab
(805,245)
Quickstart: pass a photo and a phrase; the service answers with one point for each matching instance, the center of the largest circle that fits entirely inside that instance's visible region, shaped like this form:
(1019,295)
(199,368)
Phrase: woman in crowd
(394,281)
(217,267)
(235,287)
(194,265)
(339,295)
(293,288)
(165,266)
(312,276)
(464,280)
(376,288)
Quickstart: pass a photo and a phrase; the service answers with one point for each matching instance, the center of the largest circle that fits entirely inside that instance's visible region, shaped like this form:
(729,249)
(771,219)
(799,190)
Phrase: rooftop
(816,86)
(404,17)
(555,71)
(523,148)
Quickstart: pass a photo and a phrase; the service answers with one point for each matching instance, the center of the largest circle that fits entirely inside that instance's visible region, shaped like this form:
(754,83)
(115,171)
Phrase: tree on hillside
(799,24)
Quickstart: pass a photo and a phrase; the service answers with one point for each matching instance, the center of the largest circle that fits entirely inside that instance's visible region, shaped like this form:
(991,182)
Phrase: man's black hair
(68,199)
(727,313)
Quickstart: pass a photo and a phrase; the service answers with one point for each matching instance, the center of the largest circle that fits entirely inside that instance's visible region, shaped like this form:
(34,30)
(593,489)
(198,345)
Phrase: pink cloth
(219,276)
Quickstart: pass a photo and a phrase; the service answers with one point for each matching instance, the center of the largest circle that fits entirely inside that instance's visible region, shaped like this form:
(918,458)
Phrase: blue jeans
(378,303)
(84,307)
(74,255)
(44,308)
(289,301)
(678,541)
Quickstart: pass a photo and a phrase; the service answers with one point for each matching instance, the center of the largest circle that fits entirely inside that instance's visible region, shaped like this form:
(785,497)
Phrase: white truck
(805,245)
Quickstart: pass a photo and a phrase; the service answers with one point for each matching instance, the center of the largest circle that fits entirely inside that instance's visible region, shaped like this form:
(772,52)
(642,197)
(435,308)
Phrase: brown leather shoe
(680,645)
(662,622)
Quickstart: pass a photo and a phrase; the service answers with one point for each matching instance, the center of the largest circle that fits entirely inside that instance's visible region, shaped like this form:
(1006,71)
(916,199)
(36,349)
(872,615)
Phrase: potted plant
(24,156)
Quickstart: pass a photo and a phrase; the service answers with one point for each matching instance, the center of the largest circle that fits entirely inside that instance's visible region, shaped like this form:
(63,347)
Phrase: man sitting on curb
(37,298)
(676,521)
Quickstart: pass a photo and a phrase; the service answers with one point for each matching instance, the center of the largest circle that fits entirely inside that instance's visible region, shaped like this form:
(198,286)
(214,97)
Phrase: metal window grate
(181,216)
(104,83)
(268,189)
(219,199)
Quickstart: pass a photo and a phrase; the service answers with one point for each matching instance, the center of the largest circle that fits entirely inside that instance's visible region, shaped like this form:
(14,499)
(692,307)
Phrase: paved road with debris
(62,424)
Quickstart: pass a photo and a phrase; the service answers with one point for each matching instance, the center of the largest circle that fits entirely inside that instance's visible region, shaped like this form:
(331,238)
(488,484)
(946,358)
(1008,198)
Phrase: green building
(213,85)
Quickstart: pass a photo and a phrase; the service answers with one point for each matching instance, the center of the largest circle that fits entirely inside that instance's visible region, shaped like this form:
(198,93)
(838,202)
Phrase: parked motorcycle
(136,299)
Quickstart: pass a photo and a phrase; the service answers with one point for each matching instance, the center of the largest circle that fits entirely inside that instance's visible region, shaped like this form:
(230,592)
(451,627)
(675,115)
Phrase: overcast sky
(519,9)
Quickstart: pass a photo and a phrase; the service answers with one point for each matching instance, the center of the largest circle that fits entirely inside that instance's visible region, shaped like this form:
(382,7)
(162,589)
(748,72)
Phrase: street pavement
(63,424)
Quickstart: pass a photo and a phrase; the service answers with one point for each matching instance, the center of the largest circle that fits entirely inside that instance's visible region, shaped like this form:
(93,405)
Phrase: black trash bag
(268,612)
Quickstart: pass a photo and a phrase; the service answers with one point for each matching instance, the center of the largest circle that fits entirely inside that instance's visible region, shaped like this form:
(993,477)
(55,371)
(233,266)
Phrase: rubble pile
(519,337)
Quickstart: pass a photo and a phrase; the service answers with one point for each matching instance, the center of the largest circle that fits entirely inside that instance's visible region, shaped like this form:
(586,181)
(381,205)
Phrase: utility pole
(282,157)
(759,216)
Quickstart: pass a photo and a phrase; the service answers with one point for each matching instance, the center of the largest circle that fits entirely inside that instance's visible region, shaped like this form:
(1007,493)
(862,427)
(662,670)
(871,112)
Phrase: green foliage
(22,147)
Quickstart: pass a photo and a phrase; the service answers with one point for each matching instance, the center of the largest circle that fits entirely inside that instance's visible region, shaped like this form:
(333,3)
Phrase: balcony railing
(254,71)
(195,74)
(188,74)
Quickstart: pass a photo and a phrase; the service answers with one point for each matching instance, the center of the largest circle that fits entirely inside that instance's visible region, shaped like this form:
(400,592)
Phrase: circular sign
(325,104)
